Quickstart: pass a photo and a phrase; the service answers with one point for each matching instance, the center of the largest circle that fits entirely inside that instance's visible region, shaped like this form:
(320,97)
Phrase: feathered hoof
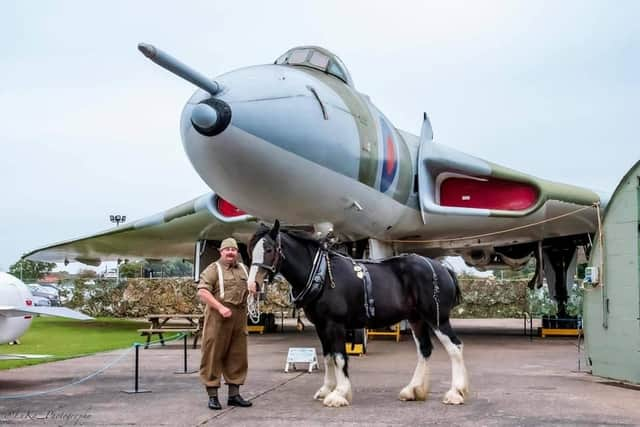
(322,393)
(334,400)
(453,397)
(410,393)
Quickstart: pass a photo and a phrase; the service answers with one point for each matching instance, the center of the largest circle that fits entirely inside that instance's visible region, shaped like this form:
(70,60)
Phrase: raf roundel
(389,157)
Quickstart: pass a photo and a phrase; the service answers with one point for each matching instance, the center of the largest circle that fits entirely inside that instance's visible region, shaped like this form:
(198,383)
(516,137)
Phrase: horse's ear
(275,230)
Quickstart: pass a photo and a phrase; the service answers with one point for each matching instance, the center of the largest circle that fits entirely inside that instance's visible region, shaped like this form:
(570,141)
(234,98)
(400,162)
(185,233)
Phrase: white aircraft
(17,310)
(294,140)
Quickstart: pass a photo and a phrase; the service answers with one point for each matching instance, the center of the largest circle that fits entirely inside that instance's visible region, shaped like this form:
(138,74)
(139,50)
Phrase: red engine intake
(492,193)
(227,209)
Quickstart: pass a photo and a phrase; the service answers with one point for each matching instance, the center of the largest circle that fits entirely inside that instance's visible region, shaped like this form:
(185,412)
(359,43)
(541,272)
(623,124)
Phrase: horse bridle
(277,260)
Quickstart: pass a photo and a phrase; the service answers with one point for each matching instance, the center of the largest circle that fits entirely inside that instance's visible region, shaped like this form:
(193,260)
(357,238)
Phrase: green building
(612,302)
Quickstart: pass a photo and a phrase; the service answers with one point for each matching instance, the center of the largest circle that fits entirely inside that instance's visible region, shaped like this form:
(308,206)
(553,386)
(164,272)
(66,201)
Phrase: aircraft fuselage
(304,140)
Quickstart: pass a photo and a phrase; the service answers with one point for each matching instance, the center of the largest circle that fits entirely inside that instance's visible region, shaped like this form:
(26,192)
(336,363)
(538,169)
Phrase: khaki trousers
(224,347)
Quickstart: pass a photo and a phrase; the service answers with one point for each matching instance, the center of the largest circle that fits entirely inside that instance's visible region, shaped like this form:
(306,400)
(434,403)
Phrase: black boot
(214,403)
(237,400)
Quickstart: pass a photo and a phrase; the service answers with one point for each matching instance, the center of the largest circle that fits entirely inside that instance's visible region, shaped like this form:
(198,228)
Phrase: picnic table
(160,324)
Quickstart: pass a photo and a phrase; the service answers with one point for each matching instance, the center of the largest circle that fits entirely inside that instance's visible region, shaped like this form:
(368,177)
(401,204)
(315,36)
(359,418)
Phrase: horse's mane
(262,230)
(301,235)
(296,234)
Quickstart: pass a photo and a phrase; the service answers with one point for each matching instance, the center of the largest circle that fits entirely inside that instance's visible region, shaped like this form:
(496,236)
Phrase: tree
(177,268)
(173,268)
(132,269)
(31,271)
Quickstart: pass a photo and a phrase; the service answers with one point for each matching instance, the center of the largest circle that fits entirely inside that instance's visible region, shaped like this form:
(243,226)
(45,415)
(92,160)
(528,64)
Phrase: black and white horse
(339,293)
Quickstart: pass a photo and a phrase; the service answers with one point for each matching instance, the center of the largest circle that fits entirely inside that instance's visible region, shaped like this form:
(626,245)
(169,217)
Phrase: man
(223,289)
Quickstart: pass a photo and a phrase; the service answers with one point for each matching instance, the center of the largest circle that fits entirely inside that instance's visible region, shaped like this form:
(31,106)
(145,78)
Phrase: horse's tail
(458,293)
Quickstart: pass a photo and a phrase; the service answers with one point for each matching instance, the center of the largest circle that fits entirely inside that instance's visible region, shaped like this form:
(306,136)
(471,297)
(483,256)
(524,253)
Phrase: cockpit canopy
(316,58)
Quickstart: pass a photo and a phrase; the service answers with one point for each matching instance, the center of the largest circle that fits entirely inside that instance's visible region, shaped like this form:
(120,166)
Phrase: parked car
(46,291)
(41,301)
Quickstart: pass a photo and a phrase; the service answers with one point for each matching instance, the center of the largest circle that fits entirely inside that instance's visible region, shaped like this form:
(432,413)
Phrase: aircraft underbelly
(280,188)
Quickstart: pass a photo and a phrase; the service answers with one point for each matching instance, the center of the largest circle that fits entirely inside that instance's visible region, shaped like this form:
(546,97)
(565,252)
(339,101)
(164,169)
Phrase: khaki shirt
(235,283)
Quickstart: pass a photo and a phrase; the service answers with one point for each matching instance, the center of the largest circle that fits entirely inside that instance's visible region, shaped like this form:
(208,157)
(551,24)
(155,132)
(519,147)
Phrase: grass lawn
(65,338)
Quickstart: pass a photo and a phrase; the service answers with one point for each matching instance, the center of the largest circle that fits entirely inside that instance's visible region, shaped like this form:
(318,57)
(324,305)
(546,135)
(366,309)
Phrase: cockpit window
(317,58)
(336,71)
(298,56)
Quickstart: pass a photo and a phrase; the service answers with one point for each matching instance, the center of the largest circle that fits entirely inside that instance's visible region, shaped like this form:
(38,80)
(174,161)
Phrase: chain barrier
(91,375)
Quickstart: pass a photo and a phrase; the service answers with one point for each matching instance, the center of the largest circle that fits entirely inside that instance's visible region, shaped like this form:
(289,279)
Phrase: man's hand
(252,288)
(224,311)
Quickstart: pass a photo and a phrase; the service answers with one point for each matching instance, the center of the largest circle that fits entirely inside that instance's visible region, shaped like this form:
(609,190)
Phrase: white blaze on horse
(339,293)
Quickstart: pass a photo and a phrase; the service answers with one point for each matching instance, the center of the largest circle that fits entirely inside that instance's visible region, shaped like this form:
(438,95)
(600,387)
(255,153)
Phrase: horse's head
(266,253)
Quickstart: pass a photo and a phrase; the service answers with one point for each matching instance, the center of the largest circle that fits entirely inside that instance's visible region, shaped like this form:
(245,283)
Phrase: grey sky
(90,127)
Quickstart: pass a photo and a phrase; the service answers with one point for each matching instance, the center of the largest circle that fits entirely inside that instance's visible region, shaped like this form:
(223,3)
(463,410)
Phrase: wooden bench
(160,324)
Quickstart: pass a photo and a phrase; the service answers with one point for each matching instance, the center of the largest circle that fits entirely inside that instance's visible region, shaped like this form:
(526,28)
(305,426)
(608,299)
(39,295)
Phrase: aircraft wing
(10,311)
(168,234)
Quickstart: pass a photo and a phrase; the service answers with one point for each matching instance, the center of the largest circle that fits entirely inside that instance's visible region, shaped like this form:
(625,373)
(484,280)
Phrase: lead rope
(253,308)
(253,302)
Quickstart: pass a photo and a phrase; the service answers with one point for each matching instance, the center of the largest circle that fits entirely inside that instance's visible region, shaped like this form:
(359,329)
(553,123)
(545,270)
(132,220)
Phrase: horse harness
(318,275)
(315,282)
(362,273)
(436,290)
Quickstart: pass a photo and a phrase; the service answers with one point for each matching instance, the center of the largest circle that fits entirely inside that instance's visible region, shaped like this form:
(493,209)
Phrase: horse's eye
(268,250)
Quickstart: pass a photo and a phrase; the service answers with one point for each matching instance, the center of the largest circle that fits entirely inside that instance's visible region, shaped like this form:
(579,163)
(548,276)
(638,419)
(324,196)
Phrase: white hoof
(322,393)
(413,393)
(453,397)
(335,400)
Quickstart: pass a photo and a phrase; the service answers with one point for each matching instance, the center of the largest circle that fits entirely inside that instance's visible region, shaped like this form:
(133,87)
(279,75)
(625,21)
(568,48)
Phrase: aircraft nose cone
(204,116)
(211,117)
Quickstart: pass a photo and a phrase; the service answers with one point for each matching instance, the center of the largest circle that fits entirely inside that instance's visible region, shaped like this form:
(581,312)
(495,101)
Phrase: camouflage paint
(184,209)
(368,167)
(368,119)
(548,190)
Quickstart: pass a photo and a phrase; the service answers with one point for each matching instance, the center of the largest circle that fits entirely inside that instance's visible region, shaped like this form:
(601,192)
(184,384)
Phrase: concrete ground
(514,381)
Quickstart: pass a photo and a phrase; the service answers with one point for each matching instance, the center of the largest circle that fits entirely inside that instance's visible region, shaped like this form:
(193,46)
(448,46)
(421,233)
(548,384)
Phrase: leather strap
(315,282)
